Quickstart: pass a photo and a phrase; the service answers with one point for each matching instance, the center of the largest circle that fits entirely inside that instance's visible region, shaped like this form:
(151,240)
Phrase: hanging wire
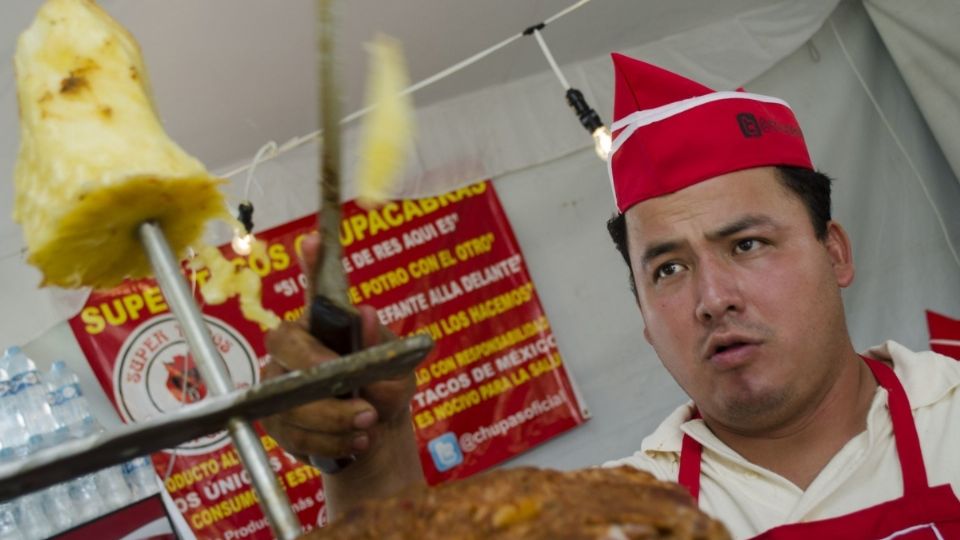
(813,51)
(267,151)
(550,60)
(297,142)
(589,119)
(565,11)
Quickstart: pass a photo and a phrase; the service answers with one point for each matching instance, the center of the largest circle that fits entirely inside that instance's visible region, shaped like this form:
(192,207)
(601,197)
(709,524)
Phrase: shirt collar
(927,377)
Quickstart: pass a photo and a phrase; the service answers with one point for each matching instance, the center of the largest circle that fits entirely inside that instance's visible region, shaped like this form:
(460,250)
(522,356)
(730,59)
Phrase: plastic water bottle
(13,431)
(30,396)
(33,519)
(13,446)
(39,430)
(112,488)
(69,406)
(84,498)
(8,522)
(59,508)
(71,410)
(140,477)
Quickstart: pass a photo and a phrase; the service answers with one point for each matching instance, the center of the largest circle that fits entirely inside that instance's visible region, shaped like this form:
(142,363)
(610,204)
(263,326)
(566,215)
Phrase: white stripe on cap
(649,116)
(636,120)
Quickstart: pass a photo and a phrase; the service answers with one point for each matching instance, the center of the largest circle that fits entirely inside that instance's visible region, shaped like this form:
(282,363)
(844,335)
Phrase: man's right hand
(374,427)
(332,428)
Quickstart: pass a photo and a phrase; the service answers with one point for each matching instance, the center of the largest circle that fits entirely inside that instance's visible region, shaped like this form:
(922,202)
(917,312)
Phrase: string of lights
(296,142)
(588,117)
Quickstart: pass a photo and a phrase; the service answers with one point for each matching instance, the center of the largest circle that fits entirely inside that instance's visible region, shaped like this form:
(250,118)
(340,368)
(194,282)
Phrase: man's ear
(840,252)
(643,317)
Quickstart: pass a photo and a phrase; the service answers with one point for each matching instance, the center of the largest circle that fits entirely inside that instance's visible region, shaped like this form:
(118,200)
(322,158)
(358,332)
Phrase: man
(737,270)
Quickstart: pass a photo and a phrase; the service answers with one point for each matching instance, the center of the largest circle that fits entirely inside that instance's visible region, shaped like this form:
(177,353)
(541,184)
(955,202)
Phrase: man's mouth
(723,348)
(731,349)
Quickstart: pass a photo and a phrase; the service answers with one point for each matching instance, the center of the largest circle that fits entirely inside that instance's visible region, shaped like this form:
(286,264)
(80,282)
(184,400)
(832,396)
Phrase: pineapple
(388,128)
(228,280)
(94,160)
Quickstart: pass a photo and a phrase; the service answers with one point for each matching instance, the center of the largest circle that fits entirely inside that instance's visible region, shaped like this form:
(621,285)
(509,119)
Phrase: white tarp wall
(557,196)
(922,38)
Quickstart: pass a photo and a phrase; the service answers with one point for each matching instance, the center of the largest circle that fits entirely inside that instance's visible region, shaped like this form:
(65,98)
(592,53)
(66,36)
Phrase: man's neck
(801,447)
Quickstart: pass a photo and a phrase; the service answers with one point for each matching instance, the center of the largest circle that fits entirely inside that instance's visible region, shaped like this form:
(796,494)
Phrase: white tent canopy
(230,76)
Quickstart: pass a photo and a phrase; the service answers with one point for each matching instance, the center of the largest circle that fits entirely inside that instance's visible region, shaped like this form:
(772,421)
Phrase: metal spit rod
(273,499)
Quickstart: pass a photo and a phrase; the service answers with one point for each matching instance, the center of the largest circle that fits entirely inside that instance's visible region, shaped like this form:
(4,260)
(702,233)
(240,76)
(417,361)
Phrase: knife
(333,320)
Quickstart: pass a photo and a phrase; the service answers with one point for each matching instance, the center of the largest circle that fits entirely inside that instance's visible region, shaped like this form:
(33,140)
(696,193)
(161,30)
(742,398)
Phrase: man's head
(736,265)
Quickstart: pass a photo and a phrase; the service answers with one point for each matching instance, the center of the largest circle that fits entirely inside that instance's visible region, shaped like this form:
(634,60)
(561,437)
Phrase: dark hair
(812,187)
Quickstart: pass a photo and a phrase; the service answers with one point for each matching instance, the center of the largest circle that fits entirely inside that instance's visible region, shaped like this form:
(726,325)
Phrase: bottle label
(64,394)
(136,463)
(20,381)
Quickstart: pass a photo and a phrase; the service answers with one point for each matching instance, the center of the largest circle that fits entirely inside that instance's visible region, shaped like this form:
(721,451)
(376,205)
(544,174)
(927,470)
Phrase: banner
(145,519)
(140,356)
(450,266)
(944,334)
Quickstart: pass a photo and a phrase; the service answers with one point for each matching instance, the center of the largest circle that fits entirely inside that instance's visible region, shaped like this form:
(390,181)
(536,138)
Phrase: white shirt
(749,499)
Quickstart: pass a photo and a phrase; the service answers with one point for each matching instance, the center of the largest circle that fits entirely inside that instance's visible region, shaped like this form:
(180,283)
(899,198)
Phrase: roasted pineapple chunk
(94,160)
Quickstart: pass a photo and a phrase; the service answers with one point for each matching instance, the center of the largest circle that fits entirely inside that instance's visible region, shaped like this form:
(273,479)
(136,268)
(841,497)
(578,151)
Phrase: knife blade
(332,319)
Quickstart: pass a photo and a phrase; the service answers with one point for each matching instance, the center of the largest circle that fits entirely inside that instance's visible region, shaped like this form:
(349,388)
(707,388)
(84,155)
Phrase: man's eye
(667,270)
(747,244)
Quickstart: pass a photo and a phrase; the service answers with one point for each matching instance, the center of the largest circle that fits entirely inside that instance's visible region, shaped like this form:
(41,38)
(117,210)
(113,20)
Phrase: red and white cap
(670,133)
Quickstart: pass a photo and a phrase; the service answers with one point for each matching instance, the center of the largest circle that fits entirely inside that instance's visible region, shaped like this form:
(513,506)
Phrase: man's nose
(719,291)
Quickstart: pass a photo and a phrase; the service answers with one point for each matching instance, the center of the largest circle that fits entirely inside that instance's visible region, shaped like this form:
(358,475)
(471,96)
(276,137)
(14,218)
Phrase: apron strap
(904,430)
(690,453)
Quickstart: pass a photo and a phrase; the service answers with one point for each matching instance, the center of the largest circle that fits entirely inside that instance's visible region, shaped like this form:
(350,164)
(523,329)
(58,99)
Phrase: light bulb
(602,142)
(241,243)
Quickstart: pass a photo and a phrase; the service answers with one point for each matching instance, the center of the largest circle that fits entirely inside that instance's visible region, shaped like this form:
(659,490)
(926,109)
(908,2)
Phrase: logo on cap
(749,125)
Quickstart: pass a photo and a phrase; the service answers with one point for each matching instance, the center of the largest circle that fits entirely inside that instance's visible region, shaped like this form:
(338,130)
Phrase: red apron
(923,512)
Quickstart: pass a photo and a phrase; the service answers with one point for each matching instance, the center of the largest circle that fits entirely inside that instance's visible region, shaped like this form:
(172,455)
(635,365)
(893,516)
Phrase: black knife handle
(341,331)
(338,329)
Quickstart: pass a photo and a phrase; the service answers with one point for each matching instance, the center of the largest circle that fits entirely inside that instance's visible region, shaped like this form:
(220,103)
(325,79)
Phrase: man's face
(741,300)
